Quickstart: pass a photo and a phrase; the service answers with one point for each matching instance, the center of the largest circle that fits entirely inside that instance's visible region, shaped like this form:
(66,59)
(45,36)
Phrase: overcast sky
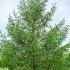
(7,6)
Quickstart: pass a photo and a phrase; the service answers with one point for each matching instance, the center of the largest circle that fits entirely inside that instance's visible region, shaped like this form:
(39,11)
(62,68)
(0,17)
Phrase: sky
(7,7)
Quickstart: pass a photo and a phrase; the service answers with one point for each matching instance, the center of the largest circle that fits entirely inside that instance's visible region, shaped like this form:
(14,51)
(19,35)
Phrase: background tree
(31,43)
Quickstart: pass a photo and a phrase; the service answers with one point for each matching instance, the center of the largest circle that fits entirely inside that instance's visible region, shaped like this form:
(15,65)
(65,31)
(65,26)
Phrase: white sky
(7,6)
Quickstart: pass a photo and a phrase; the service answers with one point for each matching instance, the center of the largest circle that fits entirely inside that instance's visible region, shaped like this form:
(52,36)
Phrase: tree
(31,42)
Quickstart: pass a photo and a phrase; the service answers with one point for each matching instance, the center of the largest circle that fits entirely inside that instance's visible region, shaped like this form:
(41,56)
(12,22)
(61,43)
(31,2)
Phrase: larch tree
(31,42)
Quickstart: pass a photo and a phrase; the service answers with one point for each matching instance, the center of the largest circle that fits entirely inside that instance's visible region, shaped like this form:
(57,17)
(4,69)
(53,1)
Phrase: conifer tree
(31,42)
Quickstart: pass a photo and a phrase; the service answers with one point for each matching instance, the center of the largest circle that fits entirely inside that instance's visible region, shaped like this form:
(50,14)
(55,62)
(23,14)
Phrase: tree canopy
(31,42)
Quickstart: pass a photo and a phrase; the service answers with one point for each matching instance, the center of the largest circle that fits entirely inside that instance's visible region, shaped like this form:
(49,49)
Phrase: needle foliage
(32,43)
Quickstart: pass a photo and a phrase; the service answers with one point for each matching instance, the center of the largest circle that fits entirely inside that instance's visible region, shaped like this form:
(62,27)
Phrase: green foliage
(28,44)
